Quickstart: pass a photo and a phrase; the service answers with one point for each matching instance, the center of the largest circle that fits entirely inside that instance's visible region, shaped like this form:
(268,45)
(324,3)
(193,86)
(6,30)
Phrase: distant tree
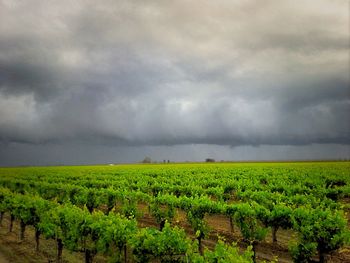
(209,160)
(147,160)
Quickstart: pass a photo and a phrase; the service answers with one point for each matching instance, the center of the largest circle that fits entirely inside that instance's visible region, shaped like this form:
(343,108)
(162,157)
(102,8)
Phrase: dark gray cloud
(138,73)
(75,153)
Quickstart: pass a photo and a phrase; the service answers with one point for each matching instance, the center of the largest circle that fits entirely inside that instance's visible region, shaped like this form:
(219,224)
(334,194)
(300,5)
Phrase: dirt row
(3,259)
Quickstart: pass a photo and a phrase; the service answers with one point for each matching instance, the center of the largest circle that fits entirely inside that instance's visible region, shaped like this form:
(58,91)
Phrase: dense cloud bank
(136,73)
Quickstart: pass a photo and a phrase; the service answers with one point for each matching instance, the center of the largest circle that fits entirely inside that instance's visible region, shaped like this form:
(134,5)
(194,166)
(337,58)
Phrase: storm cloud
(174,73)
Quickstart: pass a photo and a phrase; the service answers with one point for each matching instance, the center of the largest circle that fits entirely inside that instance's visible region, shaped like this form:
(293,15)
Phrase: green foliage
(246,218)
(109,197)
(302,252)
(162,213)
(321,230)
(65,223)
(169,245)
(280,216)
(129,208)
(223,253)
(5,199)
(111,230)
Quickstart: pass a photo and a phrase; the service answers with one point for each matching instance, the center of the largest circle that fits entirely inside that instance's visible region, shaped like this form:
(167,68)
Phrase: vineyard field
(191,212)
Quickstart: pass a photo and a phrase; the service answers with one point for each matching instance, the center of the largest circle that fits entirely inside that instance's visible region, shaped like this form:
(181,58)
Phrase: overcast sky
(114,81)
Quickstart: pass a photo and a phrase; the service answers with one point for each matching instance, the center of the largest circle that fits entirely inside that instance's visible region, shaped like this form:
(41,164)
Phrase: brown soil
(3,259)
